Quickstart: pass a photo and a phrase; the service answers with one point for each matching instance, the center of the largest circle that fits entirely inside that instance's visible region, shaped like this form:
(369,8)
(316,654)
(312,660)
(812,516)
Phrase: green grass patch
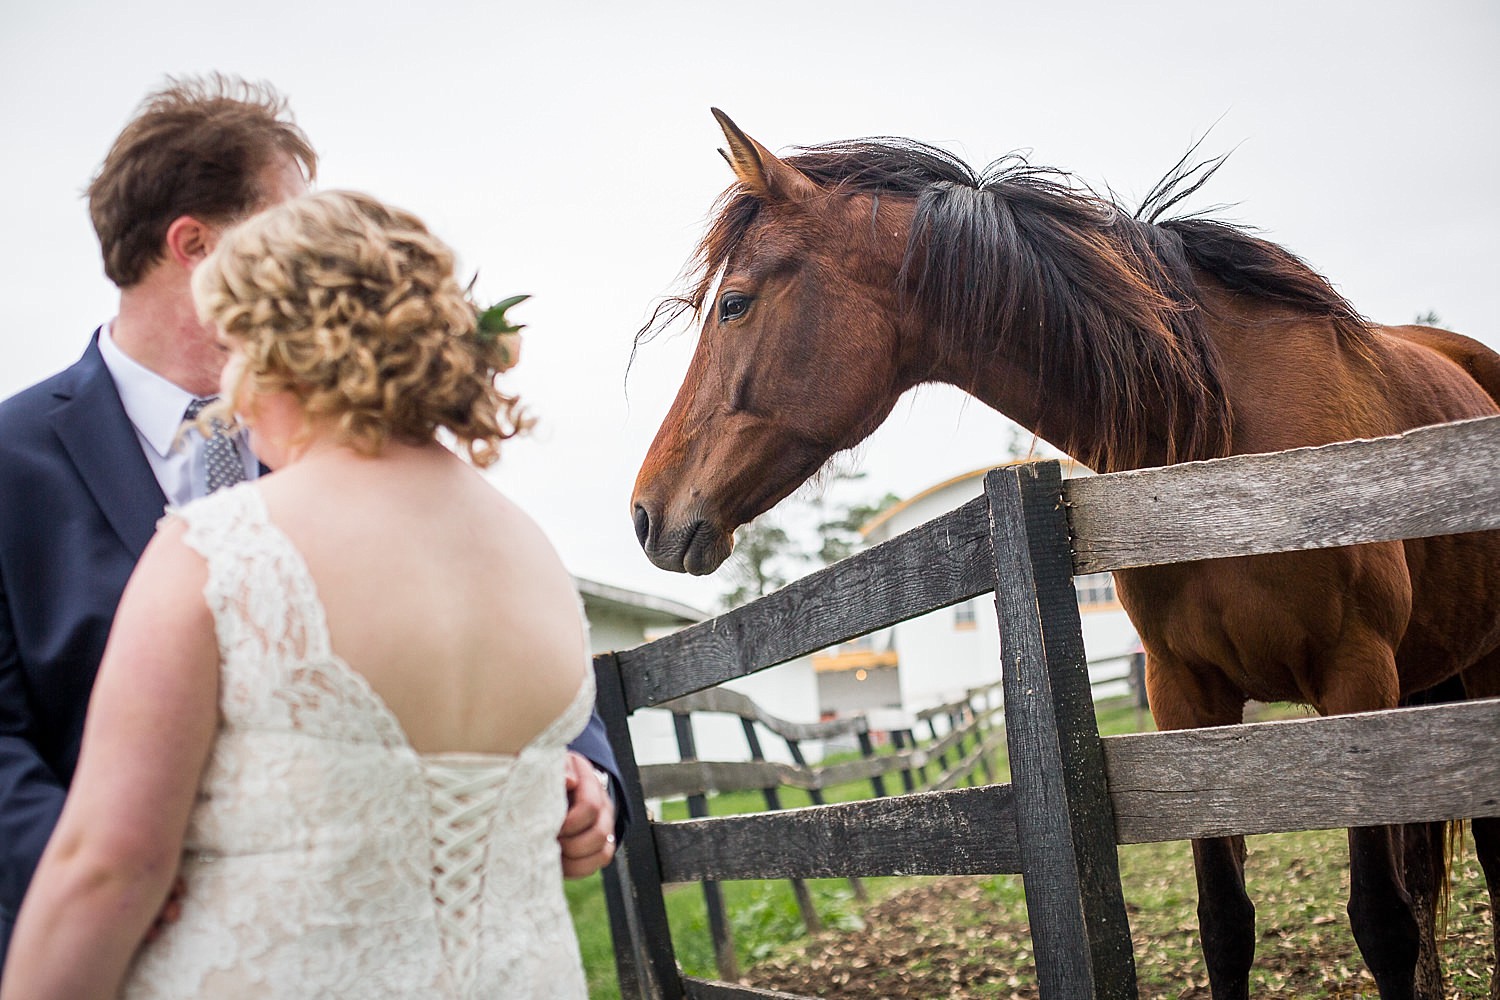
(968,936)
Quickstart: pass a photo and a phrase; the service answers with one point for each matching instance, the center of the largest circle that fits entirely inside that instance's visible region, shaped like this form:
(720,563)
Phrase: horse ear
(760,170)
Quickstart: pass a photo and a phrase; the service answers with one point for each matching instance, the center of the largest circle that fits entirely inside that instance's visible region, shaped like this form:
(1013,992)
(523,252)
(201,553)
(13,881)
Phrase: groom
(90,457)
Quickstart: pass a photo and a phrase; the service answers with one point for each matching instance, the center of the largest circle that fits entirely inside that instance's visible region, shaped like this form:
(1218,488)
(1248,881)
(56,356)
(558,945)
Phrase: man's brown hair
(196,147)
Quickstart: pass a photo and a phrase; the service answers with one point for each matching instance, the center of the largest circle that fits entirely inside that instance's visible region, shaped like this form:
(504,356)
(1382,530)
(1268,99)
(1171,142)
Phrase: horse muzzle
(697,547)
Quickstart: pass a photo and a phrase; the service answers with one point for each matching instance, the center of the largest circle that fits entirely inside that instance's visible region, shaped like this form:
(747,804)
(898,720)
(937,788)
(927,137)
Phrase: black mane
(1105,301)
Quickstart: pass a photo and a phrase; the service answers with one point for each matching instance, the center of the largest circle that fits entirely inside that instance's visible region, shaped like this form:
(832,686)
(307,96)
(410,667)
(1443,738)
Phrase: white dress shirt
(155,407)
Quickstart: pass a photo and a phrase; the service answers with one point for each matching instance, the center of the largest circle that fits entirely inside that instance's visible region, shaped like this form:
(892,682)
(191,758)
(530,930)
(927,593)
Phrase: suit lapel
(93,427)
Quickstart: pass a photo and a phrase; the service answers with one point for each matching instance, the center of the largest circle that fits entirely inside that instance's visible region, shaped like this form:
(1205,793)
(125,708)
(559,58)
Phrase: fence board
(735,703)
(975,758)
(968,831)
(1403,766)
(940,563)
(709,989)
(696,777)
(671,781)
(1337,494)
(1079,930)
(699,777)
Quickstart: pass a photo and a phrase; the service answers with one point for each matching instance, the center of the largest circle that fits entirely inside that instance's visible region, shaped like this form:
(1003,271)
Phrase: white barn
(623,619)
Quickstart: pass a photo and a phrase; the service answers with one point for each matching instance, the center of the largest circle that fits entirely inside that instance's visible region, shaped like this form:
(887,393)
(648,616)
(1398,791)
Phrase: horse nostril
(642,524)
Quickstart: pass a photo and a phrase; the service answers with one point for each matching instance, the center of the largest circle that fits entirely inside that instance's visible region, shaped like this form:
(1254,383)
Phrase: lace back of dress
(327,857)
(463,802)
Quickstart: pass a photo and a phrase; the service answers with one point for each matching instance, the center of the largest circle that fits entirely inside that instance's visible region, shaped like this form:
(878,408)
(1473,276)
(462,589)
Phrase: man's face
(281,180)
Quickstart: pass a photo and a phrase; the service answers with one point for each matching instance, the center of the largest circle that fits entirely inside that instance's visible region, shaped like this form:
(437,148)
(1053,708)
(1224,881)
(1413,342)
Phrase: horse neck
(998,366)
(1067,322)
(1276,369)
(1004,381)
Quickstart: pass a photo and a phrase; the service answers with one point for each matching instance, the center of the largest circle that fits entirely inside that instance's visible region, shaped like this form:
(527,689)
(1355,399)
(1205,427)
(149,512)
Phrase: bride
(336,701)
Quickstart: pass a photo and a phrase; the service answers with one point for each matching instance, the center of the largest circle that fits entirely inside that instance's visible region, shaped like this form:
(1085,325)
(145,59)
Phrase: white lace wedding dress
(325,857)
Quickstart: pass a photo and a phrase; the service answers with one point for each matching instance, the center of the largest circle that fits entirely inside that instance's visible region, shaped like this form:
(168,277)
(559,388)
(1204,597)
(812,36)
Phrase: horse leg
(1425,872)
(1226,917)
(1486,832)
(1381,912)
(1425,865)
(1483,681)
(1184,699)
(1361,676)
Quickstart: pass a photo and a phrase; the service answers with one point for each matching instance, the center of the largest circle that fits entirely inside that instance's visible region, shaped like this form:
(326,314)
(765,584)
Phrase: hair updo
(352,306)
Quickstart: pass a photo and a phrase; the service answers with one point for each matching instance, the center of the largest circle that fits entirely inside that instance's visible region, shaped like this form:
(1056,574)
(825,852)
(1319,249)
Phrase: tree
(767,556)
(841,533)
(758,564)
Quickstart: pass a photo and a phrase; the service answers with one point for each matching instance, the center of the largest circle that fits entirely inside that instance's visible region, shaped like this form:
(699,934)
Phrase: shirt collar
(154,405)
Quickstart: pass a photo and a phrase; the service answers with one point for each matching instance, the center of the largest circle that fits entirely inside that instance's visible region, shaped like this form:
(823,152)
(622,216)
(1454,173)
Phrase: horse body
(1397,617)
(853,272)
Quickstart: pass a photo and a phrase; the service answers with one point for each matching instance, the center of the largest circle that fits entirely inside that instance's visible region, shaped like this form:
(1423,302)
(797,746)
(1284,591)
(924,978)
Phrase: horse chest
(1269,628)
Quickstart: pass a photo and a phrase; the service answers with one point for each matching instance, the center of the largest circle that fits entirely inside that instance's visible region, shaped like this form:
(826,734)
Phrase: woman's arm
(151,723)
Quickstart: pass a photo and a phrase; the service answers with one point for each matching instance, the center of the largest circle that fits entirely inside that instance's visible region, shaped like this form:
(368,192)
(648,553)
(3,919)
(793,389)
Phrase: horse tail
(1432,849)
(1453,849)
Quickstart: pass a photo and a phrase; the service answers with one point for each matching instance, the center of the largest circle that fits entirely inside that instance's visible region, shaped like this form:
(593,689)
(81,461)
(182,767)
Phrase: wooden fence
(972,735)
(1073,797)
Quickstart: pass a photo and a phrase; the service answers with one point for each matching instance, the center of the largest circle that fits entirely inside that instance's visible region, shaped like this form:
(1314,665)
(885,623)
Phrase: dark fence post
(794,747)
(810,919)
(867,751)
(1080,933)
(1138,687)
(713,896)
(981,732)
(942,757)
(958,722)
(906,739)
(978,744)
(644,959)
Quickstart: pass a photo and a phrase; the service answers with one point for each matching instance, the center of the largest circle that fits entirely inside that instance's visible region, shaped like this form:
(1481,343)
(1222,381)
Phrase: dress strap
(258,588)
(271,627)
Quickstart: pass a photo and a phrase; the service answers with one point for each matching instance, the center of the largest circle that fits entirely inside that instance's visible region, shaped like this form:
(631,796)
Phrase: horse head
(799,354)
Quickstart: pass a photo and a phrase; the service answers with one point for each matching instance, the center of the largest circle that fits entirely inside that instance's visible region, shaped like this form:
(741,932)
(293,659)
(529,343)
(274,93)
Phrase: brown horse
(832,281)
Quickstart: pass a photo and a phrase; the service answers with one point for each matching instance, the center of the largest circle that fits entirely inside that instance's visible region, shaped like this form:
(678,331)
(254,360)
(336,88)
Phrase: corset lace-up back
(327,858)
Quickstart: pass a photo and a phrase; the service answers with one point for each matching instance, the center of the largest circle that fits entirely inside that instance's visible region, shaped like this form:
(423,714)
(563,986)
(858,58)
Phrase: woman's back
(327,856)
(341,697)
(439,591)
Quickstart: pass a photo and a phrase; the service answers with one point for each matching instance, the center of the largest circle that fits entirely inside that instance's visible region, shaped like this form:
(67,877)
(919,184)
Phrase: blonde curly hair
(352,305)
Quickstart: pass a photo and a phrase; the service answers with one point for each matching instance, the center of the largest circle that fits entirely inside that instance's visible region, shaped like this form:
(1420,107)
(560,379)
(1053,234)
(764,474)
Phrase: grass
(1299,882)
(968,937)
(763,919)
(763,914)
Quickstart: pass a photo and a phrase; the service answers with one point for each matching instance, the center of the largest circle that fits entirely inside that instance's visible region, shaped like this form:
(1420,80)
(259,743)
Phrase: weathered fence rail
(1073,795)
(973,736)
(981,728)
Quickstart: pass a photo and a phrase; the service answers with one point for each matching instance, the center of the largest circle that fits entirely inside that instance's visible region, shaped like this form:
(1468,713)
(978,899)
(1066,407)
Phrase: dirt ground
(935,941)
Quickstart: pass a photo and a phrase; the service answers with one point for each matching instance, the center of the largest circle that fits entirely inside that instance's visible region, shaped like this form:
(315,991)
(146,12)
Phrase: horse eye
(732,306)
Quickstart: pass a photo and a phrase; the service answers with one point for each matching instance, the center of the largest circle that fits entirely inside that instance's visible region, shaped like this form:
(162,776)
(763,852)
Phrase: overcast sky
(566,150)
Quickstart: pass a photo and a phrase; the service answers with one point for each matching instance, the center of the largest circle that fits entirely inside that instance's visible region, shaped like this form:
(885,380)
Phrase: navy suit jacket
(78,503)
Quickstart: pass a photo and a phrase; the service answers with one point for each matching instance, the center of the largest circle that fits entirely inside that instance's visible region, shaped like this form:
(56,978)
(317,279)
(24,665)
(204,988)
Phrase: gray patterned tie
(221,458)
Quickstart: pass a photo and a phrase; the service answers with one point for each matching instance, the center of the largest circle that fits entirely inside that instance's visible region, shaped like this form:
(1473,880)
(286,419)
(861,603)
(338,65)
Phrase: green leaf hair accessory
(493,322)
(496,330)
